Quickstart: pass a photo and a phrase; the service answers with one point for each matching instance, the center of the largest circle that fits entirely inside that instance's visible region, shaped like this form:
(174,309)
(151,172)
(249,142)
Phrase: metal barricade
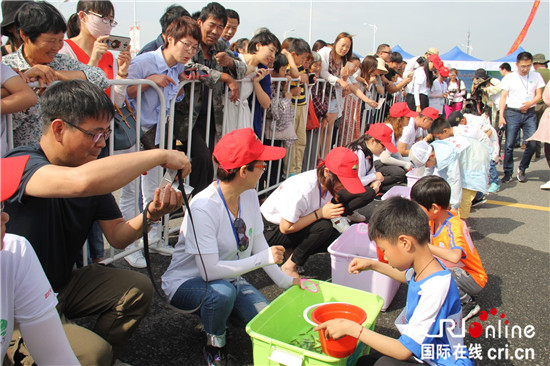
(353,122)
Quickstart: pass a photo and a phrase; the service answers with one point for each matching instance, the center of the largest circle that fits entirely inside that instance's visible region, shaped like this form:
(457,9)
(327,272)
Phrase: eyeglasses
(240,228)
(95,136)
(104,19)
(385,52)
(189,47)
(262,166)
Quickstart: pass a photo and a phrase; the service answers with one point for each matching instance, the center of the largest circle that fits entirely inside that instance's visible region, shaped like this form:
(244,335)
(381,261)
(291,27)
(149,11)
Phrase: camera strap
(146,253)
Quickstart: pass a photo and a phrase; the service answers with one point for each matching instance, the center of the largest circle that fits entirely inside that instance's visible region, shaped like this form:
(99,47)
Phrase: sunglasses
(240,229)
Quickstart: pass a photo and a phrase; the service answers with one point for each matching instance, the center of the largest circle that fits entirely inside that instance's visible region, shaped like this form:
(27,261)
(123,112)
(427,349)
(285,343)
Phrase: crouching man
(64,189)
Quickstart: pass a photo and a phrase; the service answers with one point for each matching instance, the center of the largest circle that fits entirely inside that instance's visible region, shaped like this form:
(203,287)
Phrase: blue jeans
(514,122)
(223,299)
(493,174)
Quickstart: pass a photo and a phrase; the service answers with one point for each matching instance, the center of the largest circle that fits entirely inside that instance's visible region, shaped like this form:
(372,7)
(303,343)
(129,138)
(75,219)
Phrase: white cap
(420,153)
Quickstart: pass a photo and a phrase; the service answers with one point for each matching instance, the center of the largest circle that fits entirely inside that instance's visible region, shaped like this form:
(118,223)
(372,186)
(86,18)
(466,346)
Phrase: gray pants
(467,287)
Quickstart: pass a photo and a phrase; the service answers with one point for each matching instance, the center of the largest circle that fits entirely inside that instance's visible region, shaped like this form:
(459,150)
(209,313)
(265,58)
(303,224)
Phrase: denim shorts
(333,106)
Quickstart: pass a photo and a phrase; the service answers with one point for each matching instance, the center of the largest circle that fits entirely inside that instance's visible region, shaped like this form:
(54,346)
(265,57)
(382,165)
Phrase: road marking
(519,205)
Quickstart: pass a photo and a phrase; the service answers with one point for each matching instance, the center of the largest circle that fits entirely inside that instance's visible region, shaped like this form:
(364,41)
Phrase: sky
(414,25)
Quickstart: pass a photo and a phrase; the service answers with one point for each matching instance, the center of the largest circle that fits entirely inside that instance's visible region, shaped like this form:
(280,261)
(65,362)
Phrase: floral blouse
(27,125)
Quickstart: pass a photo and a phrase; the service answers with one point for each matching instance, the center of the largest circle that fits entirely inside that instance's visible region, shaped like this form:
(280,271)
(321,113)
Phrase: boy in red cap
(25,293)
(226,241)
(298,213)
(417,130)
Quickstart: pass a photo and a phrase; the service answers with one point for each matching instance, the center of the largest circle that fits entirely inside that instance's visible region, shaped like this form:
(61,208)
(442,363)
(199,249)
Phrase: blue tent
(405,54)
(511,57)
(456,54)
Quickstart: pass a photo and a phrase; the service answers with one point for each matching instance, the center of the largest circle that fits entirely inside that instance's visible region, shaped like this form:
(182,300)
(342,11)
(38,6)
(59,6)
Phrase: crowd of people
(59,84)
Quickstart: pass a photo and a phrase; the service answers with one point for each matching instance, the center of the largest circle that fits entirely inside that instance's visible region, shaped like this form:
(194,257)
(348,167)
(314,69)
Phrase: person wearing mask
(42,29)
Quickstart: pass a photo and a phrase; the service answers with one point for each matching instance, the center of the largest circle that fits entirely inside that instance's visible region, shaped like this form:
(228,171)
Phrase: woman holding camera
(88,30)
(455,93)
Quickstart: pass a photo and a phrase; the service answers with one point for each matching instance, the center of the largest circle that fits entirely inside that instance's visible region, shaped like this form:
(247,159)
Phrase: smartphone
(311,78)
(202,73)
(118,43)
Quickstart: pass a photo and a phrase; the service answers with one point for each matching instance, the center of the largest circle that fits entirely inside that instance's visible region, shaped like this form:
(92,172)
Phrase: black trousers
(393,175)
(424,101)
(312,239)
(202,168)
(352,202)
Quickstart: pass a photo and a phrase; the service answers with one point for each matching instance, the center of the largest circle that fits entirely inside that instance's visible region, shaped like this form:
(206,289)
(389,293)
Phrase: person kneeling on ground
(298,214)
(63,191)
(400,229)
(230,228)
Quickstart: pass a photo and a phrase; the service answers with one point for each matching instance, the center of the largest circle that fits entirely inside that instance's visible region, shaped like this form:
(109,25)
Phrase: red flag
(523,32)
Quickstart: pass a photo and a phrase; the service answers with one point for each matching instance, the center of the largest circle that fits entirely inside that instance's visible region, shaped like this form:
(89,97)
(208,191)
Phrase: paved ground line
(519,205)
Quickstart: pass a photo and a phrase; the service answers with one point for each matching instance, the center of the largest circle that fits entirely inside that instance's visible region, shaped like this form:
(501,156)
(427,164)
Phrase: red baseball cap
(382,133)
(344,163)
(444,71)
(241,147)
(430,112)
(401,110)
(11,171)
(436,61)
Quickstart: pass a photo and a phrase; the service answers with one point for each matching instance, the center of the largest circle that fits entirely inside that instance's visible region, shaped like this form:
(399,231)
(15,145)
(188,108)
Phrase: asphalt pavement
(512,235)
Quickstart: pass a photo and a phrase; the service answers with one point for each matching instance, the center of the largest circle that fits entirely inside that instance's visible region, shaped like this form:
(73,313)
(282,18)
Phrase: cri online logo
(476,329)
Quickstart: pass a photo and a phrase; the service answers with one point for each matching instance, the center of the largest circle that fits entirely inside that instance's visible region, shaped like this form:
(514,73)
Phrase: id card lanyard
(229,216)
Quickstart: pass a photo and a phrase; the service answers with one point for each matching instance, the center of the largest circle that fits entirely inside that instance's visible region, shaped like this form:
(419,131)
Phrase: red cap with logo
(430,112)
(401,110)
(344,163)
(382,133)
(444,71)
(11,171)
(241,147)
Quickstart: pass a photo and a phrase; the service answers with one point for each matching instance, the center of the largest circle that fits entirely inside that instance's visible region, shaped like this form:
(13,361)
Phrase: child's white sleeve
(47,341)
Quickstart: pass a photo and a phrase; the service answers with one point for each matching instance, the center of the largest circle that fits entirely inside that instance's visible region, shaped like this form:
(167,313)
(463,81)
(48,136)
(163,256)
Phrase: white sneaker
(545,186)
(136,260)
(340,223)
(356,217)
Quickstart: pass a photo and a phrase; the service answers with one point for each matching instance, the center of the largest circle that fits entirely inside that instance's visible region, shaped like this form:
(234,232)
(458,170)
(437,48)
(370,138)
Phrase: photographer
(486,93)
(456,91)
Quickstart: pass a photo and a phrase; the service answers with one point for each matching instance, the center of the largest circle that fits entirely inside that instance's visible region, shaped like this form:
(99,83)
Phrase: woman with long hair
(422,82)
(333,71)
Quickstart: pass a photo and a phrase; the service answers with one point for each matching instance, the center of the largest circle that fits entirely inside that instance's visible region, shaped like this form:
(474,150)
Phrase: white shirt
(473,132)
(420,84)
(436,95)
(521,89)
(411,133)
(366,171)
(214,231)
(297,196)
(25,293)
